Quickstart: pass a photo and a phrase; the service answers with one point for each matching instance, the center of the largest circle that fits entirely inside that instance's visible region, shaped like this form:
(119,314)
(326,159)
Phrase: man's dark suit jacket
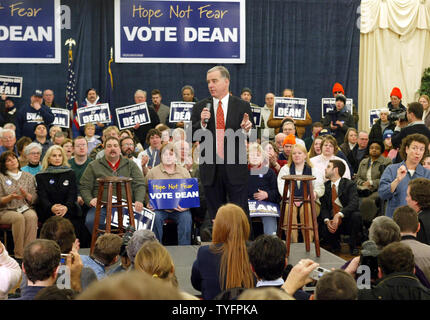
(237,172)
(424,233)
(396,139)
(347,194)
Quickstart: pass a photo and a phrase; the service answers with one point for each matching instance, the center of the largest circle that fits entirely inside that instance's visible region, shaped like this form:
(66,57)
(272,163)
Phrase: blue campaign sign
(142,220)
(62,117)
(169,193)
(94,114)
(291,107)
(329,104)
(263,209)
(180,31)
(374,115)
(256,113)
(180,111)
(11,86)
(30,31)
(129,116)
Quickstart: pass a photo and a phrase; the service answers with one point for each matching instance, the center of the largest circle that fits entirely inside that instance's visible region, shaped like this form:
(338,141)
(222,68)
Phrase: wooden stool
(289,186)
(119,204)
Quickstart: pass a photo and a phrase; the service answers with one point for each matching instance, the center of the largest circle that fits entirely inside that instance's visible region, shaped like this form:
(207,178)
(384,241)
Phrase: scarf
(56,169)
(307,171)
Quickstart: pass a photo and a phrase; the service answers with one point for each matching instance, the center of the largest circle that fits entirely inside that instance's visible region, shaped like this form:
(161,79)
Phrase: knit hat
(290,139)
(338,87)
(341,97)
(396,92)
(387,134)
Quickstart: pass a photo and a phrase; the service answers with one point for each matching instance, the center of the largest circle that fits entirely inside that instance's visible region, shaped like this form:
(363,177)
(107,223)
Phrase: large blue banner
(290,107)
(30,31)
(129,116)
(171,193)
(180,31)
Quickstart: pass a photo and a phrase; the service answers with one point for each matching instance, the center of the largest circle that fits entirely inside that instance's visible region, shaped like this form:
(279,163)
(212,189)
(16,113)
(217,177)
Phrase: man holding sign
(223,179)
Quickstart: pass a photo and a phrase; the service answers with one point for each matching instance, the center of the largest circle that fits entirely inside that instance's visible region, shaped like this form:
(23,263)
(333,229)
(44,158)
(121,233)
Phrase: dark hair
(55,293)
(88,91)
(330,139)
(339,165)
(406,218)
(3,159)
(407,141)
(418,191)
(267,256)
(111,138)
(336,285)
(396,257)
(155,91)
(152,132)
(59,134)
(60,230)
(107,247)
(187,87)
(22,142)
(126,138)
(417,109)
(317,124)
(41,258)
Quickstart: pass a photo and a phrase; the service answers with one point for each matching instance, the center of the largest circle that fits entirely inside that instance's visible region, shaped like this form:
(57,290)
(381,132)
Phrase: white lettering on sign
(204,34)
(138,118)
(291,112)
(8,90)
(97,117)
(148,33)
(182,115)
(16,33)
(59,121)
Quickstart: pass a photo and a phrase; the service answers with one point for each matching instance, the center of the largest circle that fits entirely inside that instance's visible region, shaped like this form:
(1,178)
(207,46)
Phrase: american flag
(71,100)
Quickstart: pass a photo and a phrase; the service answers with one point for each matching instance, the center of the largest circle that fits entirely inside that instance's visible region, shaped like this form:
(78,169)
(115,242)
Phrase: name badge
(51,181)
(9,182)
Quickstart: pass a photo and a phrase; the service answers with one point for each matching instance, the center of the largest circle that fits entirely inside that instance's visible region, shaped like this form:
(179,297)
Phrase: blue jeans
(270,225)
(89,220)
(183,220)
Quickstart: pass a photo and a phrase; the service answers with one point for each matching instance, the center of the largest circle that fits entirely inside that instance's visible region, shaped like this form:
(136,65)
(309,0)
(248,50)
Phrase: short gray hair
(141,91)
(384,231)
(137,240)
(187,87)
(8,130)
(223,70)
(31,146)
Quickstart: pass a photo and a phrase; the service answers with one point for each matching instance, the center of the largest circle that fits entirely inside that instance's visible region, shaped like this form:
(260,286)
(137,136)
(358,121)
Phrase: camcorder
(397,114)
(318,272)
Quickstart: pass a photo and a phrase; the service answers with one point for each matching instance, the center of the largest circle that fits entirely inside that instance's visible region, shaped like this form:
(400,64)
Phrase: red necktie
(220,128)
(336,208)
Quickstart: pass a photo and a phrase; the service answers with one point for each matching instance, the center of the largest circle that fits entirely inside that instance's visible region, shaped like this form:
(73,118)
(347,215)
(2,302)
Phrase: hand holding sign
(246,124)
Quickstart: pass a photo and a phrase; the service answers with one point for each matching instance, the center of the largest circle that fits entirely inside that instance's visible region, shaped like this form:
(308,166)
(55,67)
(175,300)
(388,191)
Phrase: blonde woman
(299,164)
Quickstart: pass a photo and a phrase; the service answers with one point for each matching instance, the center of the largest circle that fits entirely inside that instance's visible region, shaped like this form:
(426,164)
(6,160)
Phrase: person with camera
(414,115)
(383,124)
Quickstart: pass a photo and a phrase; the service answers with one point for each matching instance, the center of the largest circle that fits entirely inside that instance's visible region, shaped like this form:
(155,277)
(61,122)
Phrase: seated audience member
(320,163)
(350,141)
(33,152)
(111,164)
(128,150)
(426,162)
(17,196)
(106,253)
(315,149)
(57,191)
(382,125)
(359,152)
(9,125)
(150,157)
(299,164)
(133,285)
(20,146)
(279,139)
(156,261)
(41,131)
(272,155)
(394,181)
(55,293)
(287,144)
(397,279)
(128,133)
(368,175)
(67,145)
(185,157)
(224,264)
(338,121)
(316,128)
(336,285)
(10,272)
(168,169)
(40,265)
(52,131)
(264,293)
(407,219)
(389,152)
(288,128)
(414,114)
(339,209)
(262,184)
(98,152)
(92,139)
(136,242)
(165,133)
(8,141)
(417,197)
(59,138)
(178,134)
(425,102)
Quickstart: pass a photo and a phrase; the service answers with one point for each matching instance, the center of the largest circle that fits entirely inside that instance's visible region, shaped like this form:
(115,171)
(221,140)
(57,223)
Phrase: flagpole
(70,42)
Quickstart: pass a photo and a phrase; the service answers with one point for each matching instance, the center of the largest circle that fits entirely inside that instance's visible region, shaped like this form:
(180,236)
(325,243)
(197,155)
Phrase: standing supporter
(142,130)
(395,179)
(17,196)
(338,89)
(382,125)
(33,153)
(395,104)
(48,99)
(168,169)
(266,110)
(91,99)
(162,110)
(299,164)
(224,264)
(58,191)
(27,117)
(417,197)
(262,184)
(111,164)
(92,139)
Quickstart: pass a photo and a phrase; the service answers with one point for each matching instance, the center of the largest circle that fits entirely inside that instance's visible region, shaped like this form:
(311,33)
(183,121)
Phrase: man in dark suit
(224,122)
(339,209)
(418,199)
(415,125)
